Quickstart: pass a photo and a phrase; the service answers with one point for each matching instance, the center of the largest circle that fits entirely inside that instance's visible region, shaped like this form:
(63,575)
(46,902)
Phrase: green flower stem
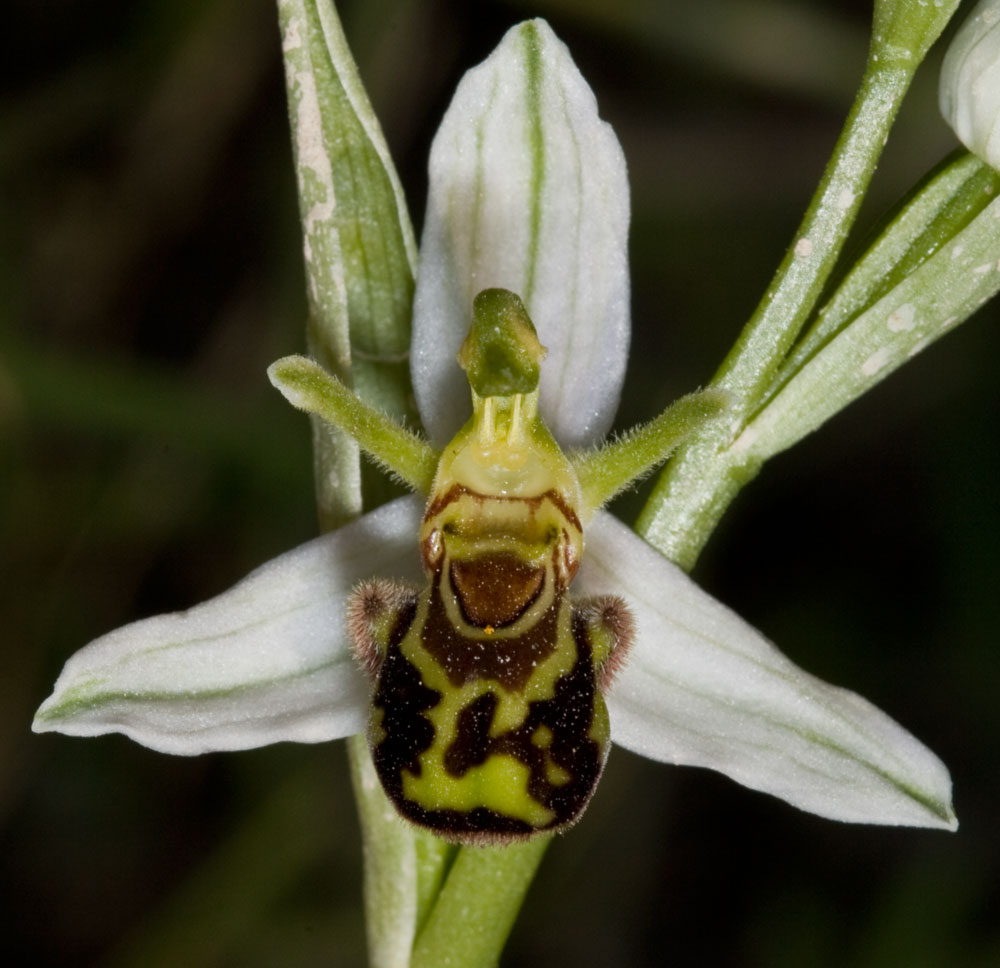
(477,906)
(945,289)
(951,197)
(604,473)
(906,29)
(459,903)
(404,868)
(704,477)
(307,386)
(435,859)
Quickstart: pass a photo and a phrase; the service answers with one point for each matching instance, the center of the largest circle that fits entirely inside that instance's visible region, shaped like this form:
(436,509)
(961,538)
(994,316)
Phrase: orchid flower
(528,192)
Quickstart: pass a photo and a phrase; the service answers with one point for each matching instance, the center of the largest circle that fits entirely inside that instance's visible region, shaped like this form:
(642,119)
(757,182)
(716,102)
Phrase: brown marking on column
(438,504)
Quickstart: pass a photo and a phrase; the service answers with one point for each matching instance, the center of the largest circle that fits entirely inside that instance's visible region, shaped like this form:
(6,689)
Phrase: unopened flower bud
(970,83)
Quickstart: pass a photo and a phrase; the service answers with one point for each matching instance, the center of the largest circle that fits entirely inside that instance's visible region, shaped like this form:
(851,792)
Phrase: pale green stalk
(404,868)
(477,907)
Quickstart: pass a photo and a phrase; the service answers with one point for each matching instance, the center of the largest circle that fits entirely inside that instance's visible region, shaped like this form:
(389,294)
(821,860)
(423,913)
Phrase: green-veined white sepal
(266,661)
(704,688)
(528,192)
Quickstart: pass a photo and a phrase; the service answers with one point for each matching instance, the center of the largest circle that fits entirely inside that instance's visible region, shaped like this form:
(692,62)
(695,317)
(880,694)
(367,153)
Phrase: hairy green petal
(605,472)
(307,386)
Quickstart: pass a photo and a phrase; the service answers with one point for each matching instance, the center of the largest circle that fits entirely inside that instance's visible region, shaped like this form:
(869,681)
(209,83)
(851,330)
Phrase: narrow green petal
(307,386)
(264,662)
(528,192)
(701,687)
(605,472)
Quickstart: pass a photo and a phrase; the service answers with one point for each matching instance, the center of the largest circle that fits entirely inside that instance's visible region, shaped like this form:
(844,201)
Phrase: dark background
(150,269)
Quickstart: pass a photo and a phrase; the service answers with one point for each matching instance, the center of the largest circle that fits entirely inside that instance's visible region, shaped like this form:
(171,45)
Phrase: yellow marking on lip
(499,784)
(555,774)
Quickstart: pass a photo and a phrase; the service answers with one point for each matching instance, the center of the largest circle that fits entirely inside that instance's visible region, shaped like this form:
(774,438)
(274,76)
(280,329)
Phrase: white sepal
(969,92)
(703,688)
(528,192)
(264,662)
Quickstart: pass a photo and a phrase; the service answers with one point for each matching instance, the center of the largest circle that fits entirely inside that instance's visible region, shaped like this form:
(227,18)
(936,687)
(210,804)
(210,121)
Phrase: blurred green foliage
(150,268)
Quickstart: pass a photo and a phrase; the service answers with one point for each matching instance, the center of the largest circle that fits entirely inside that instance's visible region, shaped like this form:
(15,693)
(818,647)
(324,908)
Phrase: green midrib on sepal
(87,696)
(936,806)
(536,140)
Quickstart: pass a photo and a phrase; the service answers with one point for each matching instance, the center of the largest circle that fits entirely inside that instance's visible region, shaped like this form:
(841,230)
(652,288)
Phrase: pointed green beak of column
(501,354)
